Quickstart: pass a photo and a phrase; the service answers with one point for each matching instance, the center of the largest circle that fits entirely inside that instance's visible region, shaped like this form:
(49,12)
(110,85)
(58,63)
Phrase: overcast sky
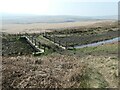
(60,7)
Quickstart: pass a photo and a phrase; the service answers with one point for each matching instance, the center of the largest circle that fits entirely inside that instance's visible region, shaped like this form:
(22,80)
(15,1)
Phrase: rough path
(49,42)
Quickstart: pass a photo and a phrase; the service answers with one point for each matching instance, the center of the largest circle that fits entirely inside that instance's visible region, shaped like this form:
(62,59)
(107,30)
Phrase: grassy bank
(103,61)
(81,36)
(93,67)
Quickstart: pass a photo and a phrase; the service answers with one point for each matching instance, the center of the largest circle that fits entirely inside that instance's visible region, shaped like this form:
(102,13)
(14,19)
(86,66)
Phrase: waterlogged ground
(90,67)
(82,36)
(93,67)
(12,45)
(103,60)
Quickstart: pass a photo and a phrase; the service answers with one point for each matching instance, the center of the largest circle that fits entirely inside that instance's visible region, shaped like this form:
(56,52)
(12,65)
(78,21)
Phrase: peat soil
(12,45)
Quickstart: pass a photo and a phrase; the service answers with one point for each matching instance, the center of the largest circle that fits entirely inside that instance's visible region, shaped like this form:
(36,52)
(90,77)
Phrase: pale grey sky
(60,7)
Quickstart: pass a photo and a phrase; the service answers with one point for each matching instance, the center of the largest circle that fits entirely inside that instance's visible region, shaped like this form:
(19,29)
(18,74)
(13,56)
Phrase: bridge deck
(36,47)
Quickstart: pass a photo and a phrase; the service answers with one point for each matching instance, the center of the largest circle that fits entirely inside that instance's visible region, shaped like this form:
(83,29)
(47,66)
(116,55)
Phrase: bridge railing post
(59,43)
(66,46)
(35,41)
(54,38)
(32,39)
(50,37)
(73,45)
(44,48)
(39,44)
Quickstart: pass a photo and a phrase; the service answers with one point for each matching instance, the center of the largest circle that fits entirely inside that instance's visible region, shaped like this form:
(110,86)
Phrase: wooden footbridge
(40,47)
(34,44)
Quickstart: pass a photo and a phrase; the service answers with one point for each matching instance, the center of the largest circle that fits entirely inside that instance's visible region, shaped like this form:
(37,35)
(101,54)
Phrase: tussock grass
(52,71)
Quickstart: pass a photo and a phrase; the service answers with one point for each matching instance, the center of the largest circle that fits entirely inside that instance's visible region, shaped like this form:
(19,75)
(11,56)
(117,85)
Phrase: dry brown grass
(53,71)
(42,27)
(104,60)
(63,71)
